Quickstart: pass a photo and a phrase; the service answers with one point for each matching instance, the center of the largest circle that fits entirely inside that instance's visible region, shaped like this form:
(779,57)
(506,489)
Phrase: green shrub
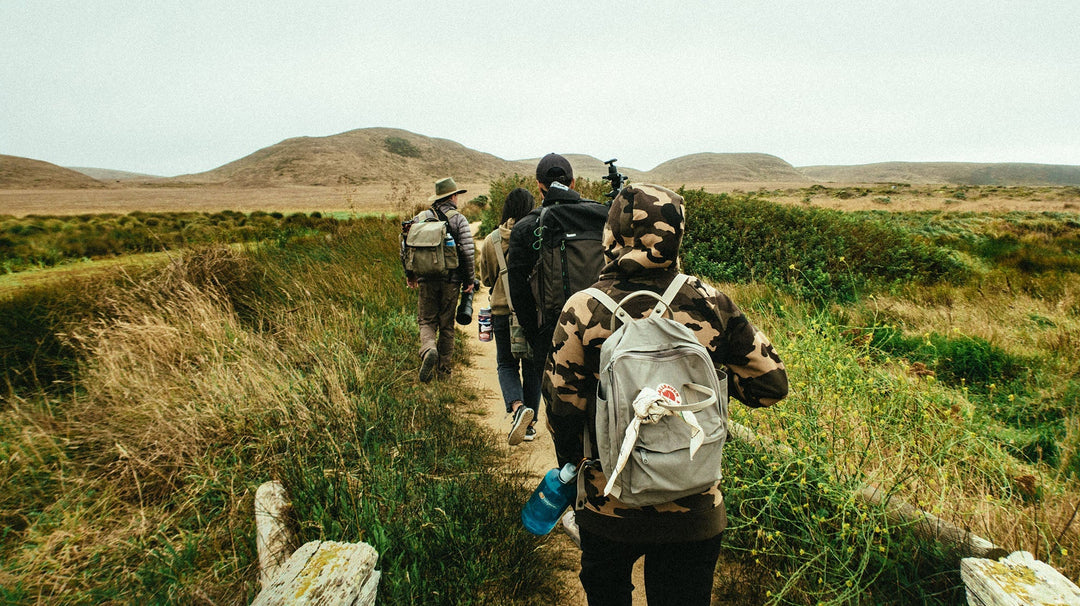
(401,147)
(49,241)
(817,253)
(497,192)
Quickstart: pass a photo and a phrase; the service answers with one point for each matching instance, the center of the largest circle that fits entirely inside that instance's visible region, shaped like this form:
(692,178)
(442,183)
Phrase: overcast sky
(171,87)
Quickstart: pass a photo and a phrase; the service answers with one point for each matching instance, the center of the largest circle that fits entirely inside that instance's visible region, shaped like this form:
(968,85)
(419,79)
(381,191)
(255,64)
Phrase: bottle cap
(567,473)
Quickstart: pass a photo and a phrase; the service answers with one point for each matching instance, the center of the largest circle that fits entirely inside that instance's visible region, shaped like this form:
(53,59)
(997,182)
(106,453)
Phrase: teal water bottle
(549,500)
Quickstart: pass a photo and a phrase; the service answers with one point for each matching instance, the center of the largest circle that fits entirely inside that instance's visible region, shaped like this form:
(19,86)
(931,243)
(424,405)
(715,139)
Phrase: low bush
(36,241)
(815,253)
(501,187)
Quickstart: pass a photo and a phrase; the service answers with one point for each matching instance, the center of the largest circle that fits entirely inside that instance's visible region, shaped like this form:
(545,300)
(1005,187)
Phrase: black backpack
(571,255)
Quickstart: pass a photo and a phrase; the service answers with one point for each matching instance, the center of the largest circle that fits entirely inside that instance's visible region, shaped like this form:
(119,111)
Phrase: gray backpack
(661,406)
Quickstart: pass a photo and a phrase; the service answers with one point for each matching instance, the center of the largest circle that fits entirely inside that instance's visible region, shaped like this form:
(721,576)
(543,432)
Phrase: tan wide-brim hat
(444,188)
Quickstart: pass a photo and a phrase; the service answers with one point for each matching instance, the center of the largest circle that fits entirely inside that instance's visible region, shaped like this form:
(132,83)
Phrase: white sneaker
(530,434)
(523,417)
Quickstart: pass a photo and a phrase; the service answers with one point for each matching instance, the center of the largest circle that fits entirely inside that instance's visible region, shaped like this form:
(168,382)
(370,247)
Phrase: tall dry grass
(133,482)
(859,416)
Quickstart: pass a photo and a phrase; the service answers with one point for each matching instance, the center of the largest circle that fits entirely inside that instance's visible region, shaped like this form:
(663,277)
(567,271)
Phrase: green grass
(855,417)
(814,253)
(37,241)
(191,384)
(141,412)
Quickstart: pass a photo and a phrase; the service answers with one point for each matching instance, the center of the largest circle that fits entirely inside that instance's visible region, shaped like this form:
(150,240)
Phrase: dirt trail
(537,456)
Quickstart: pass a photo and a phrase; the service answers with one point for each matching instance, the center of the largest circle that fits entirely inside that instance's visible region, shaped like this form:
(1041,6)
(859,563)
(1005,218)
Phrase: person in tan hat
(437,297)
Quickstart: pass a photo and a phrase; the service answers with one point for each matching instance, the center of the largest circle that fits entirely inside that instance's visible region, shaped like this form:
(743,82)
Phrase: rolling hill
(955,173)
(385,155)
(24,173)
(357,156)
(718,168)
(107,174)
(584,166)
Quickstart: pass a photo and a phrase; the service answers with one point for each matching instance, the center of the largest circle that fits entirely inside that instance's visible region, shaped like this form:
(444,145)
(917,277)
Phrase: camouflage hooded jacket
(641,240)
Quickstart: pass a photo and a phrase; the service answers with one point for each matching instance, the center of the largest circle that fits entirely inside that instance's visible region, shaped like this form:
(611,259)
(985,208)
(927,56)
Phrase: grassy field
(142,411)
(369,198)
(932,354)
(390,197)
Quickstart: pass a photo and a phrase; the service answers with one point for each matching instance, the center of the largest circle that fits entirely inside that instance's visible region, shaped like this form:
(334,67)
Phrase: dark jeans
(518,379)
(676,574)
(541,347)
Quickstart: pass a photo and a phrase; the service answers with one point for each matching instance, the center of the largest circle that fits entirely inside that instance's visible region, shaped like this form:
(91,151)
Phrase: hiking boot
(427,365)
(530,434)
(523,417)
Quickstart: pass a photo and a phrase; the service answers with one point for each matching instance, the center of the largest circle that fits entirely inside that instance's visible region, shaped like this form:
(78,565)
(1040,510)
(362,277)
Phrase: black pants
(676,574)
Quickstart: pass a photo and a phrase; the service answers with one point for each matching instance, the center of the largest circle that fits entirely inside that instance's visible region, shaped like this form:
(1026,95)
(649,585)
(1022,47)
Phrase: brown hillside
(107,174)
(24,173)
(717,168)
(953,173)
(368,155)
(584,166)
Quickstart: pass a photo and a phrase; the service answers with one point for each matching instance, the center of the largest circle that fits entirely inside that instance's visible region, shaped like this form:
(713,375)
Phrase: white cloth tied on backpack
(650,407)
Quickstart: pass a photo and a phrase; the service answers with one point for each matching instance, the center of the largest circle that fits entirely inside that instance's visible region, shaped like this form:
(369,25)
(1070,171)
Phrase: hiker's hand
(469,288)
(412,282)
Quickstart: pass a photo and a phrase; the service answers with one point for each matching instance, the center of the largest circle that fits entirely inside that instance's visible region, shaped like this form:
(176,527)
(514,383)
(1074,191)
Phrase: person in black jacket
(555,177)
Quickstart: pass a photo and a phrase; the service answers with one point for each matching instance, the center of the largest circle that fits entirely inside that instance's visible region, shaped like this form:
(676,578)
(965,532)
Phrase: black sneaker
(522,419)
(427,365)
(530,434)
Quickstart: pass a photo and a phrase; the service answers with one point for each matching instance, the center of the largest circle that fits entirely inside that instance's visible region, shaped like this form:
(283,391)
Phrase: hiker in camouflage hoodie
(681,539)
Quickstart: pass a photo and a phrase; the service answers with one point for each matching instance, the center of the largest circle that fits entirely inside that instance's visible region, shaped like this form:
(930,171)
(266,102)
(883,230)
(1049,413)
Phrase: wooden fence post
(273,539)
(1016,580)
(327,573)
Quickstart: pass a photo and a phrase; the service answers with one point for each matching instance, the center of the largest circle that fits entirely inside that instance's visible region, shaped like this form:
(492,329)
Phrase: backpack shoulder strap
(670,293)
(602,297)
(503,274)
(496,239)
(443,216)
(663,301)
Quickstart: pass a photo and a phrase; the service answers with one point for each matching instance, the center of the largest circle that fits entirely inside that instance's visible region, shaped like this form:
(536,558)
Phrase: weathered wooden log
(273,538)
(327,573)
(1016,580)
(929,526)
(743,433)
(922,523)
